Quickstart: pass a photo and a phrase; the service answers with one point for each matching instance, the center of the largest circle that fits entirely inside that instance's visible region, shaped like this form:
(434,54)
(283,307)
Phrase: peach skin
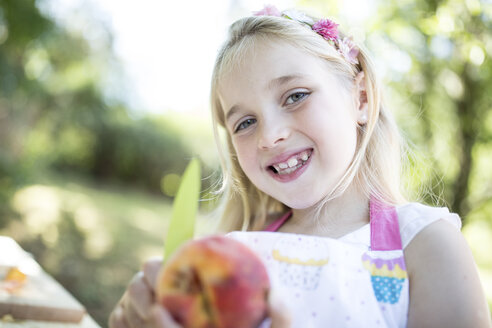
(214,282)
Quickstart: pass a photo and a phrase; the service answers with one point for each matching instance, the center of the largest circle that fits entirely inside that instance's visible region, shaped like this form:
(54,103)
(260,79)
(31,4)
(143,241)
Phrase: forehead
(264,61)
(266,57)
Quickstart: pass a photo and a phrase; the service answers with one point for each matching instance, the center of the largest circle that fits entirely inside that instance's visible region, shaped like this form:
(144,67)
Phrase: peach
(214,282)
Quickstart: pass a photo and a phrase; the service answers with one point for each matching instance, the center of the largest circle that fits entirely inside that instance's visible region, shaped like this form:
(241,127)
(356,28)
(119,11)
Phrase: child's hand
(137,307)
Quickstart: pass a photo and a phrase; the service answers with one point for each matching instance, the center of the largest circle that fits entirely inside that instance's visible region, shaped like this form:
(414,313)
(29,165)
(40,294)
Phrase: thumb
(278,312)
(151,270)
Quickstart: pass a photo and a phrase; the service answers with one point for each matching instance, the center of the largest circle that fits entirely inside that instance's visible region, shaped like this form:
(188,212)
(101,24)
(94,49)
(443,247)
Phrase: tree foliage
(435,58)
(449,44)
(55,113)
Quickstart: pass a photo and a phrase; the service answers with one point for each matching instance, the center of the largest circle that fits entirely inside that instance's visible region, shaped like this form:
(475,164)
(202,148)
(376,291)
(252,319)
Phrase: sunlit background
(102,104)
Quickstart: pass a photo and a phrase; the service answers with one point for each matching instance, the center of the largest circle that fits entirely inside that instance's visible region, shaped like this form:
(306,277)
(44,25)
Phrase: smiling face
(292,122)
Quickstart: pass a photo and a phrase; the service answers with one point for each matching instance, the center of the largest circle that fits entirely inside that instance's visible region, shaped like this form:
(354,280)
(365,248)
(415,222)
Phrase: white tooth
(287,171)
(304,156)
(292,162)
(283,165)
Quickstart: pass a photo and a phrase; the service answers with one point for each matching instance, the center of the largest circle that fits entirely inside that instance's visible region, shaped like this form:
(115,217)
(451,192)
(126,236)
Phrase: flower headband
(327,28)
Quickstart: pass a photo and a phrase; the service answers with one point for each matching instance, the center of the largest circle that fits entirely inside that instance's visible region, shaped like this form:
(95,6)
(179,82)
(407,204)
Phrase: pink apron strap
(385,230)
(275,225)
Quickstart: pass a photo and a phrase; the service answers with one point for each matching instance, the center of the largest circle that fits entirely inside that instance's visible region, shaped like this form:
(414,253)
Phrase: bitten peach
(214,282)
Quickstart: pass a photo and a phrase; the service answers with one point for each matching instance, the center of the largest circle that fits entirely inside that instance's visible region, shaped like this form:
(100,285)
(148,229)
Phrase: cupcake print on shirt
(387,276)
(300,261)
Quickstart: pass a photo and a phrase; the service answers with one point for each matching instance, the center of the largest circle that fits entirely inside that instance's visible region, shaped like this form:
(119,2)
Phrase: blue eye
(295,97)
(245,124)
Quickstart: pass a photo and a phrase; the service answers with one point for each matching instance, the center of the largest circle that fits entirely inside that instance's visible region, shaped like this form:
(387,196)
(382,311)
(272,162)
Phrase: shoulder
(445,289)
(414,217)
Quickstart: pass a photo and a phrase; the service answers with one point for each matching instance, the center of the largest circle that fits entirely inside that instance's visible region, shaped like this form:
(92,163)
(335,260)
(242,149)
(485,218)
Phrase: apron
(326,282)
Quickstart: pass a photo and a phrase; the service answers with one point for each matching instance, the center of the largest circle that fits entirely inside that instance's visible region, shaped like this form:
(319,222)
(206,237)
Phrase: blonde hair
(375,167)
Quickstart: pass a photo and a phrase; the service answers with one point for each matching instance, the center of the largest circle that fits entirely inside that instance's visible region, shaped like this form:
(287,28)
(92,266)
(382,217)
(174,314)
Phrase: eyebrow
(231,112)
(272,84)
(283,80)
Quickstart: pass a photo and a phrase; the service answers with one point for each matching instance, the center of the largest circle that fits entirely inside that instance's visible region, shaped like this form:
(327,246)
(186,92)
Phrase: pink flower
(268,10)
(349,50)
(328,29)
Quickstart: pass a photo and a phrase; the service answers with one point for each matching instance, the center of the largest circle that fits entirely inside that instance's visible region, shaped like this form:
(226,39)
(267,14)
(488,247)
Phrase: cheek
(336,135)
(348,146)
(245,155)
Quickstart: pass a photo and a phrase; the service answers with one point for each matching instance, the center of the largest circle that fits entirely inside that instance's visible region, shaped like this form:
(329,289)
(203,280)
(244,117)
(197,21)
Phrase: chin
(300,203)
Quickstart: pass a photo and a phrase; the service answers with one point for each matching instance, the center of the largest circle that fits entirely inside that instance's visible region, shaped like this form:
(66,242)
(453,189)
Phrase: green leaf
(185,206)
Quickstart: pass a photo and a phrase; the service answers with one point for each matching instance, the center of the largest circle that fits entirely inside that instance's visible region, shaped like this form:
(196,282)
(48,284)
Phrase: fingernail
(118,312)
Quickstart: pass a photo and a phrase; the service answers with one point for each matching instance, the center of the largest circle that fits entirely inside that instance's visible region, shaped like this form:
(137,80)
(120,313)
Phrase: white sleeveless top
(359,280)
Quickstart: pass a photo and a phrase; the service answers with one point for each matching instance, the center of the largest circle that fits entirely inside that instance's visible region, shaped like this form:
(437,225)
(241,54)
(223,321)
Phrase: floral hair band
(327,28)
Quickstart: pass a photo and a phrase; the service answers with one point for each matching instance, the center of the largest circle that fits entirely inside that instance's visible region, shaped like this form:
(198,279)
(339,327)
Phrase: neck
(337,217)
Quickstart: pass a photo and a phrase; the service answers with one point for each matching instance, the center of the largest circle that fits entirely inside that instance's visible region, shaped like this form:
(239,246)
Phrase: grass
(91,237)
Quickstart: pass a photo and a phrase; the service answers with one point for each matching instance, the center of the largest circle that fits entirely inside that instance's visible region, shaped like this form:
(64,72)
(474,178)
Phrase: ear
(361,98)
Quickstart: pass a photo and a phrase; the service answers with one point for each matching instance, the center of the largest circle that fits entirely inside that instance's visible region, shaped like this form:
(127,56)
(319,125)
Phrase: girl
(313,161)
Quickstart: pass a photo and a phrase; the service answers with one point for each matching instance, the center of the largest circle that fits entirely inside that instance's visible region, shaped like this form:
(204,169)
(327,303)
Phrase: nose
(273,131)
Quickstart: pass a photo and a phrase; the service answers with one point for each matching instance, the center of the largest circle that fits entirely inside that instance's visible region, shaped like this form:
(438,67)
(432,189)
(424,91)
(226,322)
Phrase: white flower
(349,50)
(298,16)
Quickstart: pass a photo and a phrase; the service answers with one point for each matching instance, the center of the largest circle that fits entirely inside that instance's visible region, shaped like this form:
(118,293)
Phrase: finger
(162,318)
(140,296)
(116,319)
(131,316)
(151,270)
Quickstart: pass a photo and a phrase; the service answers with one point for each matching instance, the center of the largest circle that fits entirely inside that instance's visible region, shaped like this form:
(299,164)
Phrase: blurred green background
(86,181)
